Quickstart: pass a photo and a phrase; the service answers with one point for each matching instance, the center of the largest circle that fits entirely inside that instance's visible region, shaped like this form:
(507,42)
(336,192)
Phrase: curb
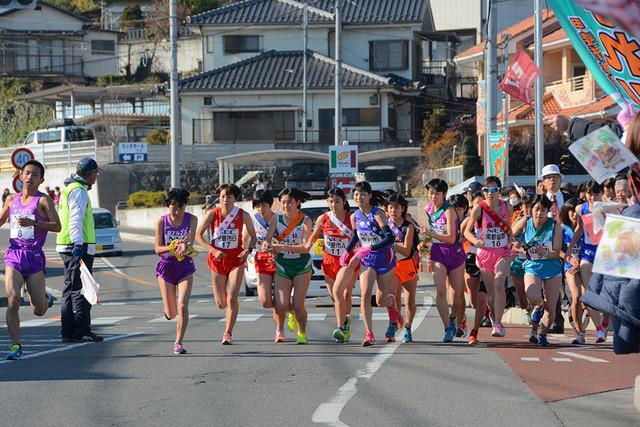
(636,394)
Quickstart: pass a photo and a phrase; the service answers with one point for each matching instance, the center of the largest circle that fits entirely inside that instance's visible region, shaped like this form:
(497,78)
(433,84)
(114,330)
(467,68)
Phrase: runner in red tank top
(226,254)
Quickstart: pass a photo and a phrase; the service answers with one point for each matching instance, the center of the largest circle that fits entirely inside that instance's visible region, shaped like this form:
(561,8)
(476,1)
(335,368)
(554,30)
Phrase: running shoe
(533,338)
(338,334)
(536,315)
(473,337)
(486,322)
(302,338)
(452,325)
(280,337)
(15,352)
(347,327)
(527,318)
(391,332)
(49,298)
(90,337)
(449,334)
(292,322)
(179,349)
(600,336)
(579,339)
(461,329)
(491,318)
(542,341)
(498,331)
(226,339)
(407,337)
(369,340)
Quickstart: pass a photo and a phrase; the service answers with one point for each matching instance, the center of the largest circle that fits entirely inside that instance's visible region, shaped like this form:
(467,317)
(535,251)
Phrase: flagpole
(539,89)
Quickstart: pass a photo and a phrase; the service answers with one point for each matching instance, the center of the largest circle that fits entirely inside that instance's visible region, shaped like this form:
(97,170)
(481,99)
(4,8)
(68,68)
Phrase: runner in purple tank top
(175,268)
(31,215)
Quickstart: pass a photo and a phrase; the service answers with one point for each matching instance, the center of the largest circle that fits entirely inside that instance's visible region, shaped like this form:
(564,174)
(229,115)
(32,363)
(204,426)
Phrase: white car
(107,234)
(317,287)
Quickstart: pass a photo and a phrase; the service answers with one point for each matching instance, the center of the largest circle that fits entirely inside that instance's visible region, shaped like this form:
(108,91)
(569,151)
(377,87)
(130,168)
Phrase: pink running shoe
(280,336)
(226,339)
(369,340)
(498,331)
(179,349)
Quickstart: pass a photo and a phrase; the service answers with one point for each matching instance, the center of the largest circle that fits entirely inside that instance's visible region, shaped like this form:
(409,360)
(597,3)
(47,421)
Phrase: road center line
(583,357)
(329,412)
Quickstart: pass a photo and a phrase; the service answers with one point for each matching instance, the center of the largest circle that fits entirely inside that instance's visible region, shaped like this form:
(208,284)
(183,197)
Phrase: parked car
(108,239)
(312,177)
(57,135)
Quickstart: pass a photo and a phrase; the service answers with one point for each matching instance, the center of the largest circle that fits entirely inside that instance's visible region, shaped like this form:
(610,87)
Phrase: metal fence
(60,154)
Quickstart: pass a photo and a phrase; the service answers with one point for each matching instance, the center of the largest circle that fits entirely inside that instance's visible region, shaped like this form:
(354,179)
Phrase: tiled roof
(281,70)
(270,12)
(515,30)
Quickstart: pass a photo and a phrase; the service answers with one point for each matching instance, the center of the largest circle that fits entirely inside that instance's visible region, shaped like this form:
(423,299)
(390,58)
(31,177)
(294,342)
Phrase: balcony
(579,90)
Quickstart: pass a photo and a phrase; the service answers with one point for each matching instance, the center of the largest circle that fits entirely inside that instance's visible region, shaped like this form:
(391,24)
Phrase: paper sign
(601,210)
(602,154)
(618,253)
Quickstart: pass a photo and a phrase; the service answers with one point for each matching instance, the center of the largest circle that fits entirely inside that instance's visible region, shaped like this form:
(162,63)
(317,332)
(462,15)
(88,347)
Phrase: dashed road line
(163,319)
(245,318)
(530,359)
(561,359)
(583,357)
(103,321)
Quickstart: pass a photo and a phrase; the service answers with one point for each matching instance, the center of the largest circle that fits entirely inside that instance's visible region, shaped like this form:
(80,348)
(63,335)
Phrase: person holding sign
(584,232)
(291,229)
(493,254)
(337,231)
(175,233)
(31,215)
(226,252)
(543,268)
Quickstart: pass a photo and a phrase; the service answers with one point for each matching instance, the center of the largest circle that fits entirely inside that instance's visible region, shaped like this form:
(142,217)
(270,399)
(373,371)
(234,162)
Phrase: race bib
(335,245)
(369,238)
(438,229)
(18,232)
(494,237)
(171,235)
(294,238)
(228,239)
(533,254)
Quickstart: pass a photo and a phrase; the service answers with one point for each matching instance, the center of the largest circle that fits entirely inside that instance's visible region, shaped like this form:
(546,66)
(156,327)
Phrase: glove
(344,258)
(626,115)
(77,252)
(363,251)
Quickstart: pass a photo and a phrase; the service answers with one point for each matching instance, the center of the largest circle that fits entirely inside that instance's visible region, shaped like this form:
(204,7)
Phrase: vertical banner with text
(498,146)
(343,166)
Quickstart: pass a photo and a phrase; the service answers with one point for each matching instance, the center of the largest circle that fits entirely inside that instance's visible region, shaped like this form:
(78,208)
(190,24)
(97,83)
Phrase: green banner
(611,54)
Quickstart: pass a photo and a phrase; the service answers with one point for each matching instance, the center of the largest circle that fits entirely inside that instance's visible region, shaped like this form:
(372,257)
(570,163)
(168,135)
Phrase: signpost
(132,152)
(19,158)
(343,166)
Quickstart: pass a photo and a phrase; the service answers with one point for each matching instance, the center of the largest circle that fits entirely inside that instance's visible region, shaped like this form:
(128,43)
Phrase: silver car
(108,239)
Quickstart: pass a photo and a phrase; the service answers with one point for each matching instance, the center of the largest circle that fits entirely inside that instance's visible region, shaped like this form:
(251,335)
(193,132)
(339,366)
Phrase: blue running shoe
(15,353)
(391,330)
(542,341)
(536,316)
(49,298)
(338,335)
(452,324)
(449,334)
(407,336)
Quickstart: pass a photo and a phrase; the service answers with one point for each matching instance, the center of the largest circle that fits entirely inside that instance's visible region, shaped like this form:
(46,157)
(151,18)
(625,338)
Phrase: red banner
(519,78)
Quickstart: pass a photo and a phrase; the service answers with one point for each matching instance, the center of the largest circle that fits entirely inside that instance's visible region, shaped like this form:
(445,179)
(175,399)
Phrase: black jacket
(579,128)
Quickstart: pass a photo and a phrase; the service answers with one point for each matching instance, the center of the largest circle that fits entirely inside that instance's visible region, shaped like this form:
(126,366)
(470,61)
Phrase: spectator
(260,185)
(6,193)
(609,191)
(56,199)
(209,203)
(540,186)
(576,128)
(471,190)
(623,192)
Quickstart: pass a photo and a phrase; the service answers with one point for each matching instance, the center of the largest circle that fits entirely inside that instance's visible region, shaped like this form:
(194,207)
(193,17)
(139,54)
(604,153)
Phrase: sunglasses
(491,190)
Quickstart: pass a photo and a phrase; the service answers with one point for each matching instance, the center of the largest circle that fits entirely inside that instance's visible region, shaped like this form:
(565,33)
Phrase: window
(103,47)
(209,40)
(252,126)
(49,137)
(352,117)
(78,134)
(241,44)
(389,55)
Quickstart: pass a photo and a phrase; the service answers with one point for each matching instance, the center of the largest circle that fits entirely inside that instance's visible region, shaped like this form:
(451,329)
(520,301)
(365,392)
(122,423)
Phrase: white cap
(550,170)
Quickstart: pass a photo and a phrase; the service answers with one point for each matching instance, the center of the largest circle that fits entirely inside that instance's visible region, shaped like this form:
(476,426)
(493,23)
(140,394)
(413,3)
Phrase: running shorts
(225,265)
(173,271)
(292,267)
(382,261)
(406,269)
(25,261)
(265,263)
(451,256)
(488,259)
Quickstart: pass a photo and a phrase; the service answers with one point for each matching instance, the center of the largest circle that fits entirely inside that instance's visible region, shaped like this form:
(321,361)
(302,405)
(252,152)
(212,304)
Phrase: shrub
(158,137)
(145,199)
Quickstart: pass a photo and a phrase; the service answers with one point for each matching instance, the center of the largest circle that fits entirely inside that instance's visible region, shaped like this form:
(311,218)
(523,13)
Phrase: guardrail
(59,154)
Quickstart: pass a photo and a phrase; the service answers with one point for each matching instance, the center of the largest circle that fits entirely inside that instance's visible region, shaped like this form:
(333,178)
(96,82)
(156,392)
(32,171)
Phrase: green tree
(77,6)
(132,17)
(433,126)
(18,118)
(472,164)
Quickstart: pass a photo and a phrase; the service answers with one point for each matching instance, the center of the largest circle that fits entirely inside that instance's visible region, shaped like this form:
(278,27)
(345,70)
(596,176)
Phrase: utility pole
(338,76)
(305,24)
(537,34)
(175,101)
(505,56)
(491,81)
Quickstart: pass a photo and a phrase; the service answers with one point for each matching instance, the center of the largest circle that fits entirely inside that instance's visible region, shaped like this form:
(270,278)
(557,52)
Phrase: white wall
(45,19)
(97,65)
(189,54)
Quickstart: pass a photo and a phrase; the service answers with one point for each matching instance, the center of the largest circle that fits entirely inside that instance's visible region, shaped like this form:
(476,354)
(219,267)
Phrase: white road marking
(377,316)
(101,321)
(329,412)
(56,293)
(561,359)
(68,347)
(34,323)
(204,300)
(164,319)
(583,357)
(249,299)
(245,318)
(113,303)
(530,359)
(316,317)
(113,267)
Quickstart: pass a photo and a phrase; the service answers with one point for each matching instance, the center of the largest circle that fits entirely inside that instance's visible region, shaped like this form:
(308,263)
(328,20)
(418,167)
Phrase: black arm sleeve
(353,242)
(388,240)
(579,128)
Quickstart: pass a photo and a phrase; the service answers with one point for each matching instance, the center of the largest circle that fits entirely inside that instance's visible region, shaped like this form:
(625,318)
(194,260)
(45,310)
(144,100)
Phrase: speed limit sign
(18,186)
(20,157)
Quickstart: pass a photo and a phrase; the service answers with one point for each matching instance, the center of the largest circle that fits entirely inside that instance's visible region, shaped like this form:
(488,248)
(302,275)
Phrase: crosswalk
(99,263)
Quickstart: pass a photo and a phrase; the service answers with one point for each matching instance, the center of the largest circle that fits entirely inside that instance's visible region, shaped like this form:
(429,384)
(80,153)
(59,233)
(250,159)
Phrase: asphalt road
(134,378)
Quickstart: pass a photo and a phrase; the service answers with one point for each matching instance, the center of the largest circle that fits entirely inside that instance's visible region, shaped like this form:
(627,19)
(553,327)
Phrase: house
(54,45)
(569,87)
(251,89)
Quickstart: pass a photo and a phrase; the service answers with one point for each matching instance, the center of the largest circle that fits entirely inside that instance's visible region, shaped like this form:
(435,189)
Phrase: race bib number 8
(494,237)
(228,239)
(18,232)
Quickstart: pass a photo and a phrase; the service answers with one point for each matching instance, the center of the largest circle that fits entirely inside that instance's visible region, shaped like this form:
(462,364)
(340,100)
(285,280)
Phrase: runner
(226,252)
(265,262)
(31,215)
(521,209)
(291,229)
(175,233)
(461,206)
(493,255)
(336,231)
(447,255)
(406,271)
(543,268)
(375,255)
(572,266)
(588,249)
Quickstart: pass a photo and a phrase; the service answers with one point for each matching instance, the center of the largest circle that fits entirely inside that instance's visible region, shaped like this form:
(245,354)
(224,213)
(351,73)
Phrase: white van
(57,135)
(108,240)
(382,178)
